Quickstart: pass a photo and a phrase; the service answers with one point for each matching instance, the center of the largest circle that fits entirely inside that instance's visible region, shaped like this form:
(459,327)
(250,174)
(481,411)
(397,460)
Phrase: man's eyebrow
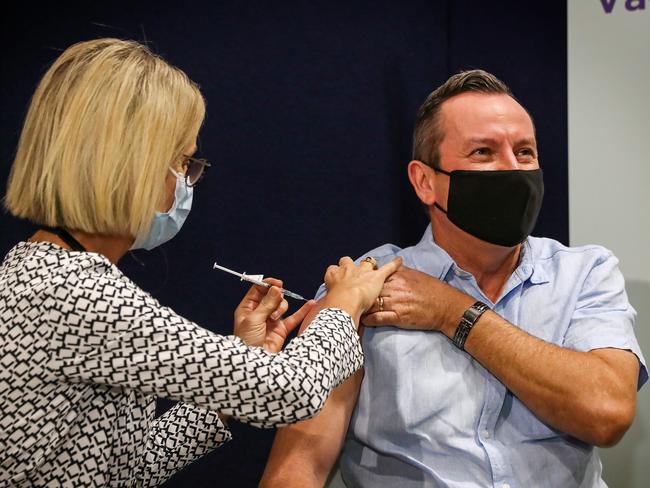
(527,141)
(489,141)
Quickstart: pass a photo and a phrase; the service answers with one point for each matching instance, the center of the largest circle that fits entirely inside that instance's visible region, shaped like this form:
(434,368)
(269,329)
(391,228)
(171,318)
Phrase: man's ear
(422,177)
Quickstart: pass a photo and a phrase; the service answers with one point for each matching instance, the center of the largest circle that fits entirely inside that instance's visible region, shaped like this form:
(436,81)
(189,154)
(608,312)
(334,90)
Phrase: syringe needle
(245,277)
(293,295)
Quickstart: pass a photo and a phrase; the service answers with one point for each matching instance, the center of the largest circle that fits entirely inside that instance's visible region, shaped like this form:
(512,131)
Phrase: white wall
(609,174)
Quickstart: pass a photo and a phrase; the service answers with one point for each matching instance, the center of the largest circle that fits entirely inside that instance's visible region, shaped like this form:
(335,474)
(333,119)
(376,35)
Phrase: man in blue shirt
(492,358)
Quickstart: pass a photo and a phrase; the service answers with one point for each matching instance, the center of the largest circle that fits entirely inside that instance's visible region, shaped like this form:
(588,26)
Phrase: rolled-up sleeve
(603,317)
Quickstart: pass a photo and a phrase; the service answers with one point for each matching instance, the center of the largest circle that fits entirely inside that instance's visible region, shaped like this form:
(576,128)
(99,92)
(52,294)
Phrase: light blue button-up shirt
(429,415)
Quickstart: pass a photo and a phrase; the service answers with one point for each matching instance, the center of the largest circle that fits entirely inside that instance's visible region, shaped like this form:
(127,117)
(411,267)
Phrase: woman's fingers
(271,301)
(369,260)
(280,310)
(345,261)
(273,281)
(330,272)
(262,290)
(298,316)
(256,293)
(389,268)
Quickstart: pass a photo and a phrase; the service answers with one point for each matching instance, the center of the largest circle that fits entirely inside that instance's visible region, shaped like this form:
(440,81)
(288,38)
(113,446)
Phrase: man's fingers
(376,319)
(379,305)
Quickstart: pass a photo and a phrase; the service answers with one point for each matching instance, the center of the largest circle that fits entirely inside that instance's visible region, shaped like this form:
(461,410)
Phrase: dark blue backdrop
(310,113)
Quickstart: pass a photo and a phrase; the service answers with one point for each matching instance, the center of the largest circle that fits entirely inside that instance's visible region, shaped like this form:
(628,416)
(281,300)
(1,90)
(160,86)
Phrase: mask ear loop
(179,176)
(435,204)
(438,170)
(131,251)
(137,259)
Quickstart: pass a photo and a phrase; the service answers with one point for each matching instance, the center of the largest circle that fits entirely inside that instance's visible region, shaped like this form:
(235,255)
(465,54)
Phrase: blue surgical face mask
(166,225)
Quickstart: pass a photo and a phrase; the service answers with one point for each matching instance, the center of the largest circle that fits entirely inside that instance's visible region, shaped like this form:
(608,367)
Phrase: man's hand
(258,318)
(589,395)
(411,299)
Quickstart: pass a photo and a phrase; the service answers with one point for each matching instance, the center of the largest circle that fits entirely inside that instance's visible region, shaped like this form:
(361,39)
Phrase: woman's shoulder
(36,258)
(58,271)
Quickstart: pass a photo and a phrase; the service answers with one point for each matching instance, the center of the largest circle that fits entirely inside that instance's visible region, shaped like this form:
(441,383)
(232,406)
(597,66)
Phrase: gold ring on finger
(371,260)
(380,303)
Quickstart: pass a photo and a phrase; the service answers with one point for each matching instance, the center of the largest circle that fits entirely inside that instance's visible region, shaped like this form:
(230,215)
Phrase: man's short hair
(427,134)
(104,125)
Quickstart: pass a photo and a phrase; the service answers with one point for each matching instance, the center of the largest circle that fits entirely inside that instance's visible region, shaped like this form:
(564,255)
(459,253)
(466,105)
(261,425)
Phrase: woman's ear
(423,178)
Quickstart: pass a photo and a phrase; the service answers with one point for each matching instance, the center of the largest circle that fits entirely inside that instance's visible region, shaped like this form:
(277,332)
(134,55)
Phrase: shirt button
(486,434)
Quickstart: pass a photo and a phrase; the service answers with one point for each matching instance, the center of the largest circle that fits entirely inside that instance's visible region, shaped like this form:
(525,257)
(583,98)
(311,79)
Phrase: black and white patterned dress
(84,352)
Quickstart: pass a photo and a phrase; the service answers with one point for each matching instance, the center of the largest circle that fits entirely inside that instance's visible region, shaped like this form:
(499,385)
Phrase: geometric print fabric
(84,352)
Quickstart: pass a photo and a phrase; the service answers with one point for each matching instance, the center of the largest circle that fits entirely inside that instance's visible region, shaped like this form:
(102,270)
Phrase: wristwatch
(471,315)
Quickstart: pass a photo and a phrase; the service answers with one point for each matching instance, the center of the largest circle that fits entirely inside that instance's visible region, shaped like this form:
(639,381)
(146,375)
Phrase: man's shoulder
(383,253)
(546,249)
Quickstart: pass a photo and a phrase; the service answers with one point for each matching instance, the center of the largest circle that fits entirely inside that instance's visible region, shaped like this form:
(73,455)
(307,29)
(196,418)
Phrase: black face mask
(500,207)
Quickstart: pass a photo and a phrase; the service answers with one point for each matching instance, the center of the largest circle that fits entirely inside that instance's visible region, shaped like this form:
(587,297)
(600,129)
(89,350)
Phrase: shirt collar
(529,268)
(428,257)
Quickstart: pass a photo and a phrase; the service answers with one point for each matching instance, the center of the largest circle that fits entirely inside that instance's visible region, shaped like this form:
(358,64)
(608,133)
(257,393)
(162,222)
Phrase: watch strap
(470,316)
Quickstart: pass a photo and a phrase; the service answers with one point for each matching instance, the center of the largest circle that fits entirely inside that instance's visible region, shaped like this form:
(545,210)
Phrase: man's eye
(526,152)
(481,151)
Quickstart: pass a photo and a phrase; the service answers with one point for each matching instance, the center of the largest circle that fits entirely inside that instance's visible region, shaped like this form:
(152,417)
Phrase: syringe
(244,277)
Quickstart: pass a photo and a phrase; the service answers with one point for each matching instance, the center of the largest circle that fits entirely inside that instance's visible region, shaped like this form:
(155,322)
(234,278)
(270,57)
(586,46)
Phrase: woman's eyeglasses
(194,170)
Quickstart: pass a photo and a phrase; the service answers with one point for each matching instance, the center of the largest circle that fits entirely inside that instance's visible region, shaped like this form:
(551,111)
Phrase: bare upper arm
(303,454)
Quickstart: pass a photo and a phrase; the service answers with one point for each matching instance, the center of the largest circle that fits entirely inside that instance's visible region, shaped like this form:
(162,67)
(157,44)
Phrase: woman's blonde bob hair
(105,123)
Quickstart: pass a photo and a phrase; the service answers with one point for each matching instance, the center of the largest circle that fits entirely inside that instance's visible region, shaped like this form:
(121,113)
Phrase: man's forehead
(491,141)
(487,117)
(473,107)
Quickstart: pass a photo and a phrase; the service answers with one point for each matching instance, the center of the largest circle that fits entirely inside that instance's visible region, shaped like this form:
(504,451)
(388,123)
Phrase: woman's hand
(354,288)
(258,318)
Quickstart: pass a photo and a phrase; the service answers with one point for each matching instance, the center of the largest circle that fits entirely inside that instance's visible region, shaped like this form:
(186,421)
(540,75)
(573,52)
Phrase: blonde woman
(104,164)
